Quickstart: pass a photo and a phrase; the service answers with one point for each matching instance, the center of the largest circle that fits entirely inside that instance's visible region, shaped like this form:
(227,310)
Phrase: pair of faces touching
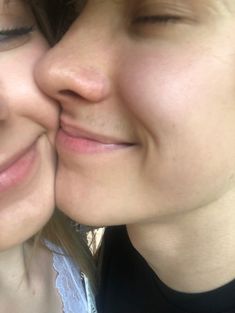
(147,123)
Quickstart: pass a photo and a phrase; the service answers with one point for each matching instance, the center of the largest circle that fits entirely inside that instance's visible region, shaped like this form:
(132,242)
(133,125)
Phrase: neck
(13,268)
(26,285)
(190,252)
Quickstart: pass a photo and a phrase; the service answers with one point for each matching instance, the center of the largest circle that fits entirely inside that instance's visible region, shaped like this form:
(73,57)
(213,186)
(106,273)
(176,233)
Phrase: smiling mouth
(18,168)
(81,141)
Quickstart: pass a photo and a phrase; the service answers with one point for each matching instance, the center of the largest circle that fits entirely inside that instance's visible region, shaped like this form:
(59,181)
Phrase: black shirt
(128,285)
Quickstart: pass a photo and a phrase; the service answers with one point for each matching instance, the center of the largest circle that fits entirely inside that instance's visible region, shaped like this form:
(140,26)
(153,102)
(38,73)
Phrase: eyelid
(151,19)
(17,31)
(162,11)
(14,37)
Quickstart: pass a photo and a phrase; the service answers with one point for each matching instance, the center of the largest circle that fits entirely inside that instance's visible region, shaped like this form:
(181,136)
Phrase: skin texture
(156,80)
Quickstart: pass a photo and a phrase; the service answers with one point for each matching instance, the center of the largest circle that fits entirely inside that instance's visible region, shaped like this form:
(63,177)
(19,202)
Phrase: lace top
(73,287)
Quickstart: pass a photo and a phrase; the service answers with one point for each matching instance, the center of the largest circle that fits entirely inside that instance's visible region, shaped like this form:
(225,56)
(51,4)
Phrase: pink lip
(17,168)
(81,141)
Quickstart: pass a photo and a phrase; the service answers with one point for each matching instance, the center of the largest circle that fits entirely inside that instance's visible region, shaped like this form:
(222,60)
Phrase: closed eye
(153,19)
(6,34)
(14,37)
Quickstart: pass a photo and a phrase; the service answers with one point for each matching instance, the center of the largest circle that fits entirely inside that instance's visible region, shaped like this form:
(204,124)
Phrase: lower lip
(84,145)
(18,171)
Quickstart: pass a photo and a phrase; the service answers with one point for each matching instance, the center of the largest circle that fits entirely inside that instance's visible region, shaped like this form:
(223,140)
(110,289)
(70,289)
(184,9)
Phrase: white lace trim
(70,285)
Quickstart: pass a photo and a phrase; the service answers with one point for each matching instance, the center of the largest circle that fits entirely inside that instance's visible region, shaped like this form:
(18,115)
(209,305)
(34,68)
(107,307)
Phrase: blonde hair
(60,231)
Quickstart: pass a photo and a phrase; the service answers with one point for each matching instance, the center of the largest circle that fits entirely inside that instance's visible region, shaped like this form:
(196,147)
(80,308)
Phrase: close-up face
(27,129)
(147,92)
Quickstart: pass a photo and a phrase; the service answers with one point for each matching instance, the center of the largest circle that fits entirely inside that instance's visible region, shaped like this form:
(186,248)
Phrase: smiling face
(147,91)
(27,123)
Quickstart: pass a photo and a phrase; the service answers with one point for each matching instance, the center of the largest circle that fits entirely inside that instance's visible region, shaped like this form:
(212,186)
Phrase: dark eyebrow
(6,2)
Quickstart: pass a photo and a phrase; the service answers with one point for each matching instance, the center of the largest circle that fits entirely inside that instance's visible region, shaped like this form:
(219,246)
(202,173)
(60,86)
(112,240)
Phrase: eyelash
(153,19)
(15,32)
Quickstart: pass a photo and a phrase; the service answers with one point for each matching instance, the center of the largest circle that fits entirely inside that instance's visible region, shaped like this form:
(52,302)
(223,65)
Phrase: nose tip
(88,84)
(65,79)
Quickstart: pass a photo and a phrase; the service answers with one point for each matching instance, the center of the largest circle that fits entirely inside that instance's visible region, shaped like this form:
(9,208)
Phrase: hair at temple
(55,16)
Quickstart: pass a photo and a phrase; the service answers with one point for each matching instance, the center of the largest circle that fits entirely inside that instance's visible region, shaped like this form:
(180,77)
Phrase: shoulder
(125,276)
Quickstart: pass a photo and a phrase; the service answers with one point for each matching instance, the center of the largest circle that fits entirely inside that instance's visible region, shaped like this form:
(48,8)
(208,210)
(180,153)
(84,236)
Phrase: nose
(74,69)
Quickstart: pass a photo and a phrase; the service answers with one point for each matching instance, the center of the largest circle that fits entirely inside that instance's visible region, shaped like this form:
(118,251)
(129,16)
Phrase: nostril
(79,86)
(69,93)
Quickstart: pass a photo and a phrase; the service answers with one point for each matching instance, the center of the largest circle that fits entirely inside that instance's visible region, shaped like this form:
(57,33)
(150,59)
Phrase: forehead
(217,4)
(203,9)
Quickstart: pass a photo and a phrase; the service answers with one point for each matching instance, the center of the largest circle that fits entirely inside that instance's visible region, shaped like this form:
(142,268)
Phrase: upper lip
(78,132)
(14,158)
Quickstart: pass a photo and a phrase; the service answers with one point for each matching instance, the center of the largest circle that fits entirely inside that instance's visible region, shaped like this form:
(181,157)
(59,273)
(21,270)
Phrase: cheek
(19,90)
(185,115)
(177,93)
(156,91)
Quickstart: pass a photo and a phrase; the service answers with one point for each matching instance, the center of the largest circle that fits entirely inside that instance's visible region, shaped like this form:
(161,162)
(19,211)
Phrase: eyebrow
(6,2)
